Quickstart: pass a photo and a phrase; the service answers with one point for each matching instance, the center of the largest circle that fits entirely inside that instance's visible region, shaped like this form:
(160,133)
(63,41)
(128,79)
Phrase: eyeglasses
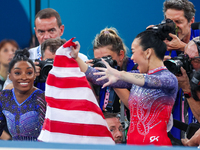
(196,59)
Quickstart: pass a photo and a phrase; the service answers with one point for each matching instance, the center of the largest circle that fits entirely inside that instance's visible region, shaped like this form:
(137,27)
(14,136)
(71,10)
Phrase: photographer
(192,89)
(192,49)
(109,43)
(182,12)
(48,50)
(186,110)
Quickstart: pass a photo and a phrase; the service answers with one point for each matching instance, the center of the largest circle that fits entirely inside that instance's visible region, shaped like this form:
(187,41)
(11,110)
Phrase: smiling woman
(23,107)
(153,89)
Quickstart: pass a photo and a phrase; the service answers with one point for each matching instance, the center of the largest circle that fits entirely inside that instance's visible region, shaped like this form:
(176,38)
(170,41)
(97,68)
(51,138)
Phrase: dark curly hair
(20,55)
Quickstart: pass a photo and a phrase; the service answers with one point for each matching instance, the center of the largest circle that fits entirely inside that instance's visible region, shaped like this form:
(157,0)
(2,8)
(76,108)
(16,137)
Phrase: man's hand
(37,68)
(183,81)
(194,141)
(175,43)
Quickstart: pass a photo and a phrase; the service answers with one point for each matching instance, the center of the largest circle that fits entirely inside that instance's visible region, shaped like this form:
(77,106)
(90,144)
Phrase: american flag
(73,114)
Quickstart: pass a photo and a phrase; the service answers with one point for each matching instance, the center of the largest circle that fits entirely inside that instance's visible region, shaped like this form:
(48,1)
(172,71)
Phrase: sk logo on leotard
(153,138)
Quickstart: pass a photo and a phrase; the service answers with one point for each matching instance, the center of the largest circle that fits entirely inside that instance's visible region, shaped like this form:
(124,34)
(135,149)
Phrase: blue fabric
(177,115)
(41,85)
(24,120)
(177,106)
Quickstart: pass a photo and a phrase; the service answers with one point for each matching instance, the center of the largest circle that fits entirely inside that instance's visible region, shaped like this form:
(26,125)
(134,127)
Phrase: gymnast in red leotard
(153,87)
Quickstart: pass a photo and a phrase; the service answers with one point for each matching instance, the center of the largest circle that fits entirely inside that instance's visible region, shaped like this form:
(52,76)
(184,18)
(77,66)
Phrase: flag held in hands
(73,114)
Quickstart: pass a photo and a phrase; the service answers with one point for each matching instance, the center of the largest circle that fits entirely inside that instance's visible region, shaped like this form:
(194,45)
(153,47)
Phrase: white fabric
(66,72)
(170,123)
(60,93)
(62,138)
(73,124)
(69,115)
(8,81)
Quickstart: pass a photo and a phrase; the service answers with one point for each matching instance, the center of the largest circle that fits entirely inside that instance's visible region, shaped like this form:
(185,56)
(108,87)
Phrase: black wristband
(187,94)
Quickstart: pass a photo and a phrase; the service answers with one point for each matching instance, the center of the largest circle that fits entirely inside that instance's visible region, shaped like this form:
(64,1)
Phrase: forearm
(194,106)
(182,46)
(83,66)
(133,78)
(123,94)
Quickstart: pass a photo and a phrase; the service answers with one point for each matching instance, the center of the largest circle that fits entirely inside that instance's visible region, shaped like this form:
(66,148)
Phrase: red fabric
(142,133)
(75,128)
(70,43)
(89,129)
(63,61)
(74,105)
(67,82)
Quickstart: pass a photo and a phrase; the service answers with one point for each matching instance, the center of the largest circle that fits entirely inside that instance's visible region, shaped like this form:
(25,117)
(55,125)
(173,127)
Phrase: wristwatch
(187,94)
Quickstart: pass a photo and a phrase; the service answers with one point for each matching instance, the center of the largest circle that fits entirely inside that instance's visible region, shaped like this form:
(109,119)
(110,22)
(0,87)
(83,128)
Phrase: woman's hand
(75,51)
(89,62)
(109,73)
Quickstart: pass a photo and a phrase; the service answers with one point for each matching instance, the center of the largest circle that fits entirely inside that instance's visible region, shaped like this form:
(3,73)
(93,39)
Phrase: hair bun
(22,53)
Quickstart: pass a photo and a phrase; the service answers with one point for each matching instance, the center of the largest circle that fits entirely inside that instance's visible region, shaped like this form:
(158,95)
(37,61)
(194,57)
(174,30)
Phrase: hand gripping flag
(73,114)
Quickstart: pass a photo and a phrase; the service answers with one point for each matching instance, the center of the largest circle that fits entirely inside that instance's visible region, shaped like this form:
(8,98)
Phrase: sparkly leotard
(150,105)
(24,120)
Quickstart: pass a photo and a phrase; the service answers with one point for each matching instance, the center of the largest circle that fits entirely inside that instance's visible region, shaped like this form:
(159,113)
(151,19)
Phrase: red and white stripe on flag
(73,114)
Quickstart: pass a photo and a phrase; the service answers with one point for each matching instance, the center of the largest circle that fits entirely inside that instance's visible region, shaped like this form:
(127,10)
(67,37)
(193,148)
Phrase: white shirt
(35,53)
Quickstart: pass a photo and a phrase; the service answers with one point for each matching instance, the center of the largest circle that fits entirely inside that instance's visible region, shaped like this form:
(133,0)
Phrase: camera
(45,66)
(166,25)
(174,65)
(99,63)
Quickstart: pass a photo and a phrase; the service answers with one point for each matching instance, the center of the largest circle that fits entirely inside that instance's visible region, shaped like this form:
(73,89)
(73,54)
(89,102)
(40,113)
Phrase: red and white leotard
(150,106)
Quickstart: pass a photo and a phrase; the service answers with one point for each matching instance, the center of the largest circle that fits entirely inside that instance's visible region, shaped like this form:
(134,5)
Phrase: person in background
(182,12)
(48,25)
(115,126)
(192,49)
(48,50)
(7,50)
(192,88)
(109,43)
(23,107)
(49,47)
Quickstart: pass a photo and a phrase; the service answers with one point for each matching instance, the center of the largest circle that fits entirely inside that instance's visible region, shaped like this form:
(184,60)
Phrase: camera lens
(174,66)
(46,69)
(99,64)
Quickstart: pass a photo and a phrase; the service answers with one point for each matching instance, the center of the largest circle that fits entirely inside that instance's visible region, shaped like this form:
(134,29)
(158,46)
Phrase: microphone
(195,25)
